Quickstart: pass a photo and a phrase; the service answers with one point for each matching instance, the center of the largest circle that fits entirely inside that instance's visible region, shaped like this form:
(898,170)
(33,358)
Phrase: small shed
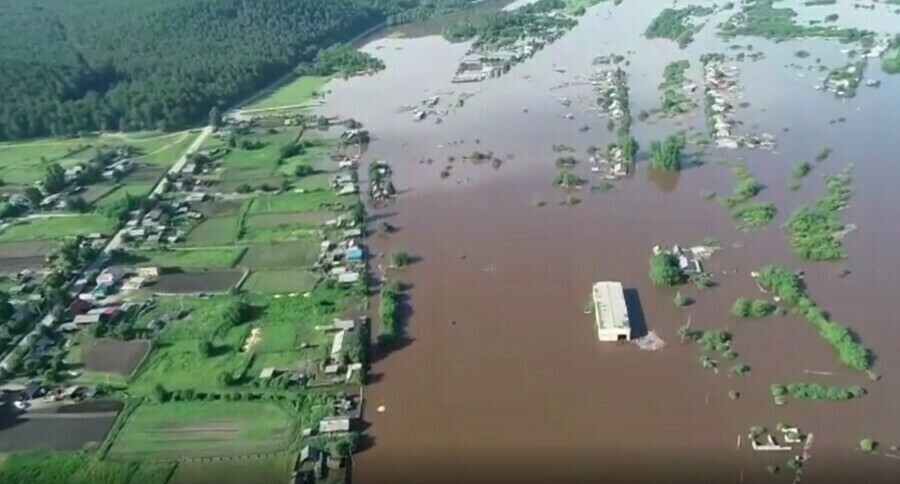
(267,373)
(354,254)
(348,278)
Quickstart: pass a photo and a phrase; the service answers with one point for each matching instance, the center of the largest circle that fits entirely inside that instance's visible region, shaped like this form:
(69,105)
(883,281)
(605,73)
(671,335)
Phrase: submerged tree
(664,270)
(666,155)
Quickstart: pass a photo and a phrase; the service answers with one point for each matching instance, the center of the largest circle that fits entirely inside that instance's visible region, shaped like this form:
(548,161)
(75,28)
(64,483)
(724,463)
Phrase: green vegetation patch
(295,202)
(790,288)
(815,391)
(204,429)
(677,24)
(815,232)
(111,197)
(201,258)
(216,231)
(58,228)
(675,101)
(54,468)
(754,215)
(240,471)
(760,18)
(272,220)
(301,253)
(280,281)
(300,91)
(178,360)
(666,155)
(664,270)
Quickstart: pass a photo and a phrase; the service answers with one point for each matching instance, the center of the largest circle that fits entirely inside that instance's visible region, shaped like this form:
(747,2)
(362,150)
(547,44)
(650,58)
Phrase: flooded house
(610,311)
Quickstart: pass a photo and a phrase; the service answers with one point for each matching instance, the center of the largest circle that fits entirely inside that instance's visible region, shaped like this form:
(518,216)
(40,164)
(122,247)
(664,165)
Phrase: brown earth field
(113,356)
(31,248)
(15,265)
(191,282)
(20,434)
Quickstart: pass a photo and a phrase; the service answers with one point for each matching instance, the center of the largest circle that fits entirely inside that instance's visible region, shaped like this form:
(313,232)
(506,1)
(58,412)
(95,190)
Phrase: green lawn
(247,165)
(301,253)
(58,228)
(190,258)
(295,202)
(279,234)
(300,91)
(280,281)
(242,471)
(274,220)
(204,429)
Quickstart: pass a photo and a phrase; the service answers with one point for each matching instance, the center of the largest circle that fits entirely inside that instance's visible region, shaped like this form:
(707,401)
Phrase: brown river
(502,378)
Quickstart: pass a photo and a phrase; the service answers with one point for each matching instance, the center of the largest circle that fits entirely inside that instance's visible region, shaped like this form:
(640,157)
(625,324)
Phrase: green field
(220,258)
(246,166)
(216,231)
(274,220)
(295,202)
(301,253)
(58,228)
(276,469)
(280,281)
(71,468)
(176,361)
(118,193)
(300,91)
(204,429)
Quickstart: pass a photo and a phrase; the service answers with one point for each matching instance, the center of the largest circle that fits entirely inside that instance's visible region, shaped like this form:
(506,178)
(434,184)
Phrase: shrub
(400,259)
(868,445)
(664,270)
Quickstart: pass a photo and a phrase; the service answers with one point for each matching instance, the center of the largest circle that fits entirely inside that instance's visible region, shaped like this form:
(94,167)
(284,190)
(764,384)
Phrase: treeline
(790,288)
(68,67)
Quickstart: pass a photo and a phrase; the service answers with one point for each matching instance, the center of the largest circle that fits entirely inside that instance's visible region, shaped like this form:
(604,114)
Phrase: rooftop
(610,311)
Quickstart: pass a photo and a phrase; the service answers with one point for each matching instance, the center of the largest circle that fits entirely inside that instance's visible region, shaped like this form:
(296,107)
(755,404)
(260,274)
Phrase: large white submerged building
(610,312)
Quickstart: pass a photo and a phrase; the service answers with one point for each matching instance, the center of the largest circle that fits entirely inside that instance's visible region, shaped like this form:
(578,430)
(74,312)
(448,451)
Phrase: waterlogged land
(499,369)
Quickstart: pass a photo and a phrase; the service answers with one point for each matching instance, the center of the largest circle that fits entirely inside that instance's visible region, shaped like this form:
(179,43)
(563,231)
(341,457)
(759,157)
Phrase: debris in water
(381,409)
(650,342)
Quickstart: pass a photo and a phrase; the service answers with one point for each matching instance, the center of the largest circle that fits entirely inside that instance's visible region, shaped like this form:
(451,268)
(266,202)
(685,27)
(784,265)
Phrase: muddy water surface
(502,378)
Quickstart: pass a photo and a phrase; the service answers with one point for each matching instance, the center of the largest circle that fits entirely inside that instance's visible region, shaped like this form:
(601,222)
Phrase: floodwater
(502,378)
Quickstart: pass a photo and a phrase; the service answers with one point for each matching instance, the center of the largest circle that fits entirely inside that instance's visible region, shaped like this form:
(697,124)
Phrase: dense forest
(69,66)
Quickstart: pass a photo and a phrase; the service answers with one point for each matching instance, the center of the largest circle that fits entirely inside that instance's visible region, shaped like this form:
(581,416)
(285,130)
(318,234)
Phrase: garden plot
(196,282)
(216,231)
(42,229)
(238,471)
(274,220)
(301,253)
(114,356)
(280,281)
(204,429)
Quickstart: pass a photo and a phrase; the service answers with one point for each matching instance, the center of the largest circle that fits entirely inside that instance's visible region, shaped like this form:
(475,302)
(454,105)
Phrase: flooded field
(503,379)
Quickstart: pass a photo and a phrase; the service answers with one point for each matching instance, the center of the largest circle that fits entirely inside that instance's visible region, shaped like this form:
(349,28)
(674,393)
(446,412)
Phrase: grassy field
(246,166)
(243,471)
(72,468)
(300,91)
(296,202)
(215,231)
(273,220)
(284,233)
(278,256)
(176,361)
(204,429)
(58,228)
(280,281)
(190,258)
(118,193)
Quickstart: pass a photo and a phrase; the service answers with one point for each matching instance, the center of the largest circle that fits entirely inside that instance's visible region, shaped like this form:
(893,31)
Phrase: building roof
(267,373)
(337,344)
(87,319)
(348,277)
(344,324)
(308,453)
(334,424)
(610,310)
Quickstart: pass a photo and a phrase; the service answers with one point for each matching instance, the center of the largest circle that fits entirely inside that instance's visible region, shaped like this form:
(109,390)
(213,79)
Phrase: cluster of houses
(313,463)
(117,279)
(24,395)
(609,84)
(343,260)
(612,166)
(721,89)
(790,435)
(689,259)
(155,226)
(843,81)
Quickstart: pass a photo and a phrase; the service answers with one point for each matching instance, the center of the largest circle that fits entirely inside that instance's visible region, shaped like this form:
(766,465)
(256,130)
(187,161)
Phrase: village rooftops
(332,425)
(611,312)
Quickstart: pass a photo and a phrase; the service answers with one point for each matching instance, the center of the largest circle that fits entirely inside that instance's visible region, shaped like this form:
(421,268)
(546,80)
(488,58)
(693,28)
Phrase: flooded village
(503,252)
(501,367)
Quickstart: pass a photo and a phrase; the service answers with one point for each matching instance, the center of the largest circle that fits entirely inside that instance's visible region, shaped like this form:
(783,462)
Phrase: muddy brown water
(502,378)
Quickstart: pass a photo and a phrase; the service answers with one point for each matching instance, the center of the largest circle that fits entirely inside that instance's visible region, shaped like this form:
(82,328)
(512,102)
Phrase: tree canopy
(73,66)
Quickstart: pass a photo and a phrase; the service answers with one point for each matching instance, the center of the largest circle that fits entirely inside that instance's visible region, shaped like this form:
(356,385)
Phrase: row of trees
(70,67)
(790,288)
